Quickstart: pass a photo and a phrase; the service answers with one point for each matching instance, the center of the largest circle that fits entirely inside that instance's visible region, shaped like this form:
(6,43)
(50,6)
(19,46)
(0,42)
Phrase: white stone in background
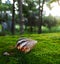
(6,54)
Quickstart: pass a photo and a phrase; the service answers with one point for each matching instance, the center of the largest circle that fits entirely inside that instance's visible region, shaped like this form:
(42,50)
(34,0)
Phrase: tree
(49,22)
(20,16)
(13,15)
(40,16)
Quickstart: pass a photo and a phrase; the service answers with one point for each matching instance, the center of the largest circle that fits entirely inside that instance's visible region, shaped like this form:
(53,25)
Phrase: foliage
(45,52)
(5,7)
(30,7)
(49,21)
(53,1)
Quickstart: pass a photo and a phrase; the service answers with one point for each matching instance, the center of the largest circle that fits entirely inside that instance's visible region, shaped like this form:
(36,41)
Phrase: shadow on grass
(15,57)
(32,57)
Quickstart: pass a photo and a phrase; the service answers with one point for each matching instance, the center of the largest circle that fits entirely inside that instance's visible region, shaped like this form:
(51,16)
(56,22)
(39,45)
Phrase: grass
(46,51)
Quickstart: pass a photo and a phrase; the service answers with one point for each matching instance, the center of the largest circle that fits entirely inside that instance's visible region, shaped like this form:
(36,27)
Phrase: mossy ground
(46,51)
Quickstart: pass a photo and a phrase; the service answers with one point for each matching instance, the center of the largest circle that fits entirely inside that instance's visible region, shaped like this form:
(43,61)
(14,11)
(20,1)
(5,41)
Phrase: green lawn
(46,51)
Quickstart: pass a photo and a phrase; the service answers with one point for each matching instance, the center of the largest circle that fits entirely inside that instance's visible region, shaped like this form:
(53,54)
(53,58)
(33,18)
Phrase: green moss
(46,51)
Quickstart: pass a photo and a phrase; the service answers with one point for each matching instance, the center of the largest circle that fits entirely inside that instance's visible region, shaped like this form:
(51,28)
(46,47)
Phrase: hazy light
(56,9)
(3,1)
(46,10)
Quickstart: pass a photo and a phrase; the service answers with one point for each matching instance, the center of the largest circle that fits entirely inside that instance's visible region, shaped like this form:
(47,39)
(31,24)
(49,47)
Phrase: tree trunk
(21,17)
(39,22)
(40,16)
(13,14)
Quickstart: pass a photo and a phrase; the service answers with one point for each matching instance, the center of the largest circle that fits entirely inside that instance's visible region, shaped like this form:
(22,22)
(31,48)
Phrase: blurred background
(29,16)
